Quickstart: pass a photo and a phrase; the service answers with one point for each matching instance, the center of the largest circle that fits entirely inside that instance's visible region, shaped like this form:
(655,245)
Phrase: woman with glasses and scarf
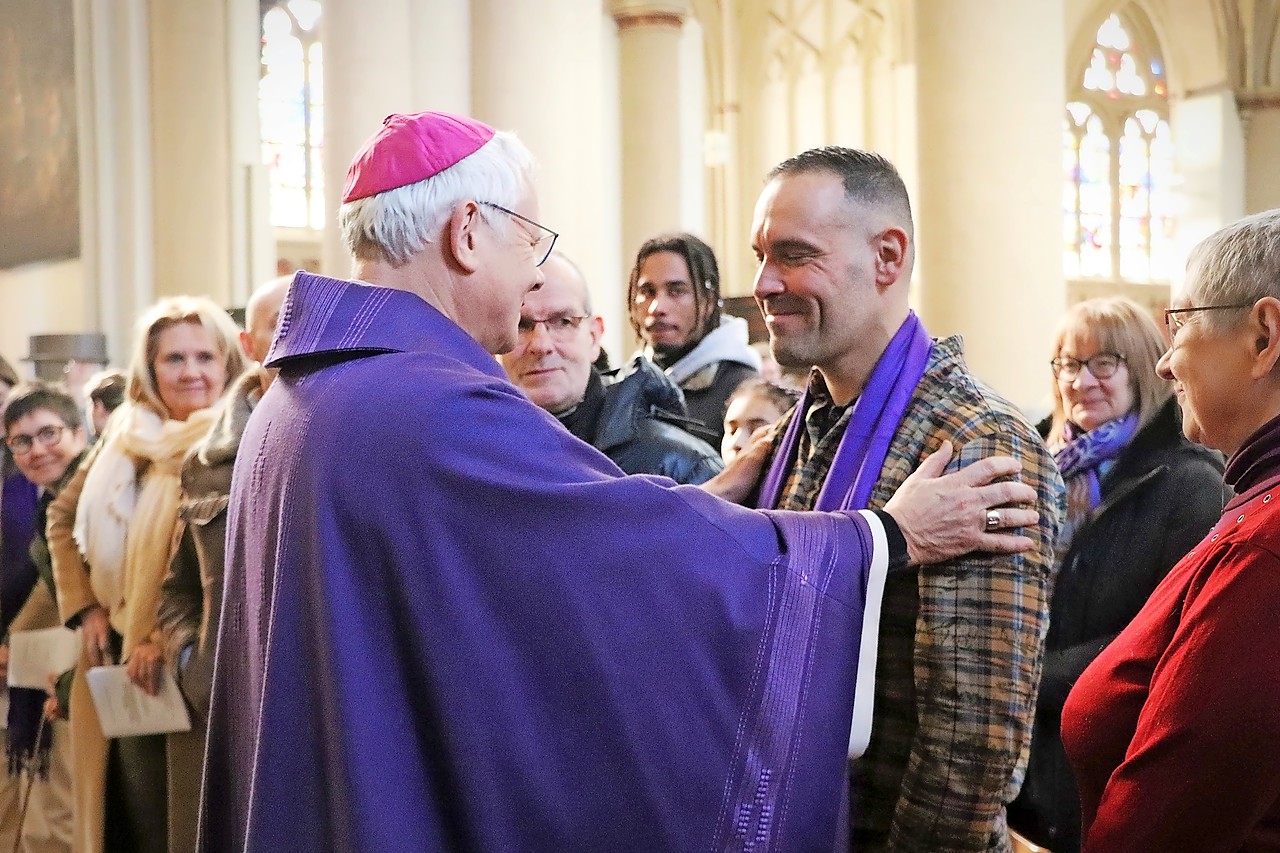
(1139,496)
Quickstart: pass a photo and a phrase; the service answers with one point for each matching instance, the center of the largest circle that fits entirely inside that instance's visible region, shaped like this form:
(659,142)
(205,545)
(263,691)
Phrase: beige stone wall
(169,132)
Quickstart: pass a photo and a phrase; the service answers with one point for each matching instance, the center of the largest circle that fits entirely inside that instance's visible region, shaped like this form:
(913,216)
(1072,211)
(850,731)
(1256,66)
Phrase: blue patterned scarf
(1084,460)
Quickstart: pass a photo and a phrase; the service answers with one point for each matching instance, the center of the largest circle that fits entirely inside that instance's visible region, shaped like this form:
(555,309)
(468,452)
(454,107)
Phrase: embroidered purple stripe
(876,416)
(322,299)
(364,317)
(755,804)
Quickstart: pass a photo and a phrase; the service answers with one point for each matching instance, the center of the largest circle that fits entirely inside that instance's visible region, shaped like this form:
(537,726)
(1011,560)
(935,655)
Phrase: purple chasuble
(876,416)
(450,625)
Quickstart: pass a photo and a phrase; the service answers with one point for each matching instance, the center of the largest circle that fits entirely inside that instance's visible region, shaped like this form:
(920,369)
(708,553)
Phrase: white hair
(1236,265)
(395,225)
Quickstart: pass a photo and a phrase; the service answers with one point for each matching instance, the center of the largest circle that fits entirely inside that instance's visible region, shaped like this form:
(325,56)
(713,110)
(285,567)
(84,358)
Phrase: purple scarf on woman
(1084,460)
(875,419)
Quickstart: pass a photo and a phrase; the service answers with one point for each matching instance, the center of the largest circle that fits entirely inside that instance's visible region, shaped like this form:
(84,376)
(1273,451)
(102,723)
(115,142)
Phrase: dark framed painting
(39,152)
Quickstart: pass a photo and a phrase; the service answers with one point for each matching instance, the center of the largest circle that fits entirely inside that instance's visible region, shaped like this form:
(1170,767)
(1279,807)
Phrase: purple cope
(450,625)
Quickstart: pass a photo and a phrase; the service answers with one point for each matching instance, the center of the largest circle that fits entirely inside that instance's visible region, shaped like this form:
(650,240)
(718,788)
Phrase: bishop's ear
(462,235)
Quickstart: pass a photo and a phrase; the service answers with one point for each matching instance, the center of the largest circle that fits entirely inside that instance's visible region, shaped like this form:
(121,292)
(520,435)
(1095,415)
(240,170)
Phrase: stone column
(547,71)
(368,74)
(1213,162)
(1261,119)
(988,209)
(649,91)
(412,55)
(191,149)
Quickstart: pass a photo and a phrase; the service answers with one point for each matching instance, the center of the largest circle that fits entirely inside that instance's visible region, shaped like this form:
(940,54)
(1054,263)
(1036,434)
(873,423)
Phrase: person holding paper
(111,533)
(44,432)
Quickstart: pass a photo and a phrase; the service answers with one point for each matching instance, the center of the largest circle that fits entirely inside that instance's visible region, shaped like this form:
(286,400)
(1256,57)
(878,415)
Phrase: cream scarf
(127,518)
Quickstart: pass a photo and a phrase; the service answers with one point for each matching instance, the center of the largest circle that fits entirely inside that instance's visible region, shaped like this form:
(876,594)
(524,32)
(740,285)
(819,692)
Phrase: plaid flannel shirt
(960,642)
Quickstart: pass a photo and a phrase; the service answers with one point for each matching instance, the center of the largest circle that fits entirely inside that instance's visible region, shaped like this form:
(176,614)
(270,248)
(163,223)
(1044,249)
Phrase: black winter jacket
(639,422)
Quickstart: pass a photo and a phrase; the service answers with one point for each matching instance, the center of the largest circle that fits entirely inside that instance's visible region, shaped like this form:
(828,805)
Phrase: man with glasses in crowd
(450,625)
(637,421)
(44,432)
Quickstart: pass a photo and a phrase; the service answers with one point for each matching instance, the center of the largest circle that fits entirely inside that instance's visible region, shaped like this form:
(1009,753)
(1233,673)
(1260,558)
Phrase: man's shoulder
(954,402)
(660,446)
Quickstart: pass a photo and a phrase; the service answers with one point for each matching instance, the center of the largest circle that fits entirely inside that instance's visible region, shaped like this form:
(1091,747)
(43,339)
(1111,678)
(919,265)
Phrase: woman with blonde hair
(112,534)
(1139,496)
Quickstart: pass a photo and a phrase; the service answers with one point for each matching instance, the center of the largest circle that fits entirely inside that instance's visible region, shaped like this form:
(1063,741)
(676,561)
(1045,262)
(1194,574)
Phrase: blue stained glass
(291,128)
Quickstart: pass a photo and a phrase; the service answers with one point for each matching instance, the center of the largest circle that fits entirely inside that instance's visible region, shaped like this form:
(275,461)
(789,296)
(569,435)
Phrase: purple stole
(876,416)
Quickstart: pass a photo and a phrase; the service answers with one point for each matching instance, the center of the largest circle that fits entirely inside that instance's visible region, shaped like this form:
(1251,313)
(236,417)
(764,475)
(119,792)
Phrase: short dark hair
(108,389)
(868,177)
(33,396)
(703,271)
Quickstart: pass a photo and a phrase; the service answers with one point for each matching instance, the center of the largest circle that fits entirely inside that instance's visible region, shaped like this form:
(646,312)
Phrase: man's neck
(420,276)
(847,375)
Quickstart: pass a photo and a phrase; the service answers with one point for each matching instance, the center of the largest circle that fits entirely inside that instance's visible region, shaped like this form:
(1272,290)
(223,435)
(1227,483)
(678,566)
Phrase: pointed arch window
(1118,160)
(291,112)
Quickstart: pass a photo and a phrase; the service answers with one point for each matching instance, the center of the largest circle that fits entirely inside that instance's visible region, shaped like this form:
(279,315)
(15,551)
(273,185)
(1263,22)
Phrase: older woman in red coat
(1172,731)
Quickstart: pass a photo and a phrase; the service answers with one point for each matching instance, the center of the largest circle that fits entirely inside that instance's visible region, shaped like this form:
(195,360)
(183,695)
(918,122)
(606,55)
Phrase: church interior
(1054,150)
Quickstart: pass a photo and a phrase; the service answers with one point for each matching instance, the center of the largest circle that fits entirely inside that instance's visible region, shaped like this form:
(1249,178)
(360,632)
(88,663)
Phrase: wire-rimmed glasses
(546,232)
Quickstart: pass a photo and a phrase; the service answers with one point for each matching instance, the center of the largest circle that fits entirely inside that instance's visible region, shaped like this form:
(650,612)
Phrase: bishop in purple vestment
(450,625)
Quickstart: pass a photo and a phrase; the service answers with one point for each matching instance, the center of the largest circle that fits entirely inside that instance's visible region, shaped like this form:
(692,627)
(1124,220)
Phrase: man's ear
(596,325)
(891,247)
(1264,325)
(246,345)
(462,237)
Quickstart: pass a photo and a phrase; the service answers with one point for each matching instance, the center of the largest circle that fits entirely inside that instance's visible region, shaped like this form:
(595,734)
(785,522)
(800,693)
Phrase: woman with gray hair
(112,532)
(1170,731)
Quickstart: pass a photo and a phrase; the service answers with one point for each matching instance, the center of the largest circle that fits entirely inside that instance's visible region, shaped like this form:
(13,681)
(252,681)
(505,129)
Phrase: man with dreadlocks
(674,299)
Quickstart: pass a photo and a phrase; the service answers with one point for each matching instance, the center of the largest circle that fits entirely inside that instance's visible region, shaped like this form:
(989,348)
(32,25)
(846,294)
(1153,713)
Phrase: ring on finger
(993,519)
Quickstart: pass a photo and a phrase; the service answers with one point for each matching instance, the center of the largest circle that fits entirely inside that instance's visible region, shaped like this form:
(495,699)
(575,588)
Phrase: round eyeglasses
(1101,366)
(46,436)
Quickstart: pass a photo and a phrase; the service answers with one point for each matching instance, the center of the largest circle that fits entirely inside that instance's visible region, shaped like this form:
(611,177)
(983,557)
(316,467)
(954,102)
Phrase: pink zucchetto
(412,148)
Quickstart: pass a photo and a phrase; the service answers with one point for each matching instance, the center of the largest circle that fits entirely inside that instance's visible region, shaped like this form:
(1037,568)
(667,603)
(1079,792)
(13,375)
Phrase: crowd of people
(387,543)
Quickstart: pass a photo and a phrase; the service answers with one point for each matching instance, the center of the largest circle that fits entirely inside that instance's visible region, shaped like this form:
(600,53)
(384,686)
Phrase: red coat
(1173,731)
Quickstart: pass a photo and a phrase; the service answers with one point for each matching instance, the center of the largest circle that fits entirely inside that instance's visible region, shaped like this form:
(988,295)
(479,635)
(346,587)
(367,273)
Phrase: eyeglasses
(560,328)
(1101,366)
(46,436)
(547,233)
(1174,321)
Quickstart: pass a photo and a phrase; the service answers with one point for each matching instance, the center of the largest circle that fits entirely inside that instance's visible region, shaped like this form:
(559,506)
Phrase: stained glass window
(291,112)
(1118,166)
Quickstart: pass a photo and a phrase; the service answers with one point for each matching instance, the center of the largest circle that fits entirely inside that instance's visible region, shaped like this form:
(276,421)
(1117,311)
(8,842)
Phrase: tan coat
(191,597)
(143,577)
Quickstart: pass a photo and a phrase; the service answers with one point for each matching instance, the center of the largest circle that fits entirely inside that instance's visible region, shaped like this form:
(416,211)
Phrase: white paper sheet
(124,709)
(36,655)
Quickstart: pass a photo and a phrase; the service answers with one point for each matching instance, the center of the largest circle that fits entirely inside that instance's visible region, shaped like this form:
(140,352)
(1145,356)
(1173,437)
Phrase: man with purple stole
(450,625)
(959,642)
